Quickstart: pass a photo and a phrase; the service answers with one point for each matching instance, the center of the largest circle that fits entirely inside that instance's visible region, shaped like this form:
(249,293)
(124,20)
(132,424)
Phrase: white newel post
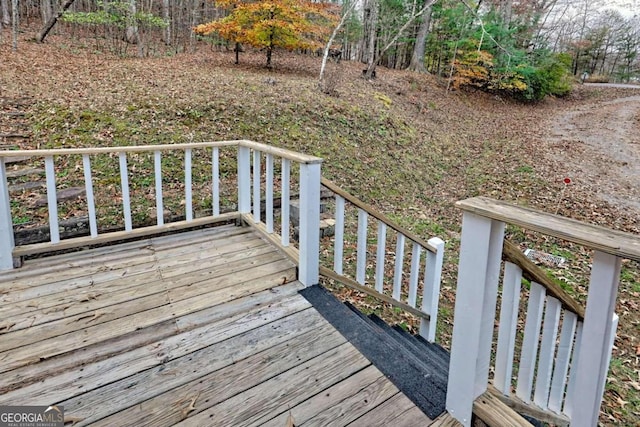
(244,179)
(308,273)
(597,337)
(6,223)
(479,266)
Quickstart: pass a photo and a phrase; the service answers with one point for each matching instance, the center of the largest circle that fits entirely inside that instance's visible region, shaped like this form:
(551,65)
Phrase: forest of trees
(528,48)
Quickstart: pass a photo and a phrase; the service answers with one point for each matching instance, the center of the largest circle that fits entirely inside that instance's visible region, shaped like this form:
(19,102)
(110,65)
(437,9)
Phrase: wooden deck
(202,328)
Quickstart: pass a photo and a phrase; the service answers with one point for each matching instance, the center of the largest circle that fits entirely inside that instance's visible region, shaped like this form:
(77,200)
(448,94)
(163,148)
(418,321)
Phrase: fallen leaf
(290,422)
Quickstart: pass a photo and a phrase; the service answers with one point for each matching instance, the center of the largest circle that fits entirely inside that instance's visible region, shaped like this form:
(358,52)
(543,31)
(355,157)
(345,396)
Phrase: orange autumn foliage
(288,24)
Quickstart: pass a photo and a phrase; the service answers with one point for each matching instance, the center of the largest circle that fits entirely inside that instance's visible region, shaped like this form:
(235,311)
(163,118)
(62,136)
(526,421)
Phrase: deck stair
(415,366)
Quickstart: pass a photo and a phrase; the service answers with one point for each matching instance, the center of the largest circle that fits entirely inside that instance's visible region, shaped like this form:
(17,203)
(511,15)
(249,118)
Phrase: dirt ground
(605,137)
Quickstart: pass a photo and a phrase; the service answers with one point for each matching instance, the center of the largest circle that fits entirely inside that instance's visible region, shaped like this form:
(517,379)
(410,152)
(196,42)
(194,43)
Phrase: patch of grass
(525,169)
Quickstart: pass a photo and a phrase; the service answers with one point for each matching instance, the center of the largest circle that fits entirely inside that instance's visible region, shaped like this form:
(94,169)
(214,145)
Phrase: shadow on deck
(202,328)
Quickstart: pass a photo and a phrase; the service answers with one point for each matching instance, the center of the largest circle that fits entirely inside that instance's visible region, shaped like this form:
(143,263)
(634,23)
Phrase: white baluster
(338,246)
(380,255)
(397,272)
(511,285)
(124,182)
(91,204)
(157,166)
(547,351)
(256,186)
(285,201)
(188,187)
(52,200)
(416,252)
(215,181)
(567,409)
(361,260)
(269,193)
(244,179)
(530,342)
(561,366)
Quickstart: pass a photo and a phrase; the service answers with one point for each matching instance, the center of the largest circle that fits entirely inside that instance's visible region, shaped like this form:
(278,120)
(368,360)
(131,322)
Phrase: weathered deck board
(198,328)
(356,405)
(144,337)
(327,398)
(52,309)
(397,411)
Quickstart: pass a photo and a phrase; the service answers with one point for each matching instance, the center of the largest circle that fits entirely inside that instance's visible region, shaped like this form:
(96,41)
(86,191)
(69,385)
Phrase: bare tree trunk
(371,16)
(52,21)
(166,7)
(325,55)
(195,17)
(46,12)
(374,61)
(5,21)
(417,57)
(131,34)
(506,11)
(14,23)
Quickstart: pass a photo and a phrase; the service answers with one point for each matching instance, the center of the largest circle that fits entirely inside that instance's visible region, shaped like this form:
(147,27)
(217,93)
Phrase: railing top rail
(378,215)
(280,152)
(536,274)
(618,243)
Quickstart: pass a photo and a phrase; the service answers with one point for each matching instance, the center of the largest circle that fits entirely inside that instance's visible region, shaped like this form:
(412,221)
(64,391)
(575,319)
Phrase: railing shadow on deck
(564,350)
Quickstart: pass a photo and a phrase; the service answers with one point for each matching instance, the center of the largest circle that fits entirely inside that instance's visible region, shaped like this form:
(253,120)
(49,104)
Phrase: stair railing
(565,351)
(369,274)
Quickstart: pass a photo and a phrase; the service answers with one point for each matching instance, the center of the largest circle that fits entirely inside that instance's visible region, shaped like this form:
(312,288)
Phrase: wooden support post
(480,256)
(597,336)
(309,224)
(244,179)
(6,223)
(431,291)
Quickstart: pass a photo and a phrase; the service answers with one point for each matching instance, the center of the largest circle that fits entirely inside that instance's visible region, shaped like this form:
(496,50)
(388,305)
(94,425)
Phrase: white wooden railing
(563,360)
(250,182)
(397,289)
